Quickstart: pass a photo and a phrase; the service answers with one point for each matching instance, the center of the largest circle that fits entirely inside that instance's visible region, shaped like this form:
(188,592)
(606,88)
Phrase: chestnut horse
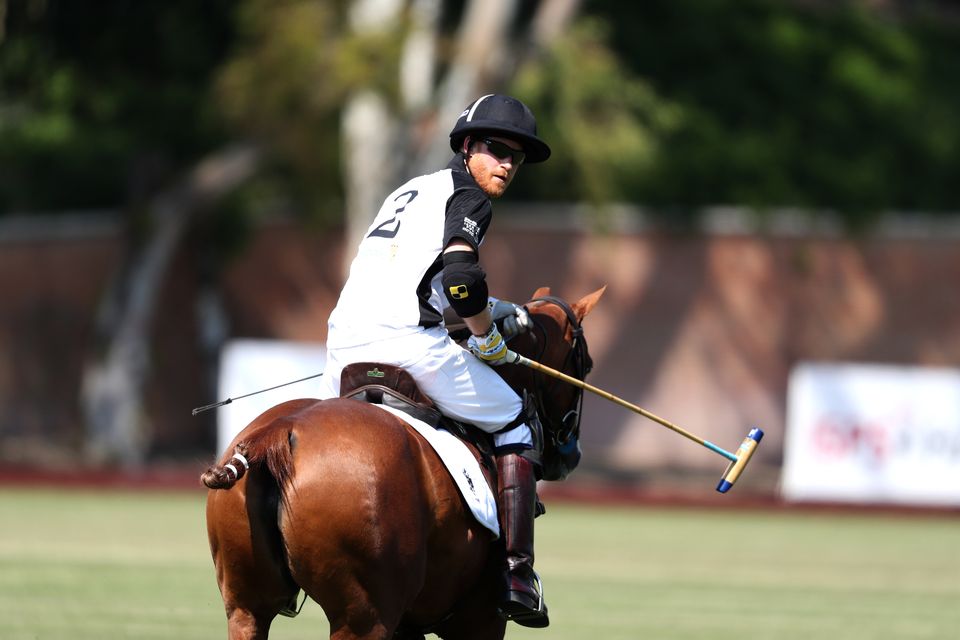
(350,504)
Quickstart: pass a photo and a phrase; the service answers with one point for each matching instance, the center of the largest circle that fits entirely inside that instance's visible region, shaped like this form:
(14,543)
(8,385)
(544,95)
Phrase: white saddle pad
(463,468)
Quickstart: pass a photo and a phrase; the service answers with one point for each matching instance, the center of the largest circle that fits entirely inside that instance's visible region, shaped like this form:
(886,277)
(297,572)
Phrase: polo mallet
(738,460)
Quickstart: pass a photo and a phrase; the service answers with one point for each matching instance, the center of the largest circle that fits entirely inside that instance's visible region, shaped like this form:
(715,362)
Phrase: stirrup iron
(533,614)
(292,610)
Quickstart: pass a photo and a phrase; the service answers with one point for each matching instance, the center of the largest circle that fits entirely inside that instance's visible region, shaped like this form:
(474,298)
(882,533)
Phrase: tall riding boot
(523,601)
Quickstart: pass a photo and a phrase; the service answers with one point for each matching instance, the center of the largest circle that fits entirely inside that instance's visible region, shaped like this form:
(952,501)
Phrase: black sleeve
(468,216)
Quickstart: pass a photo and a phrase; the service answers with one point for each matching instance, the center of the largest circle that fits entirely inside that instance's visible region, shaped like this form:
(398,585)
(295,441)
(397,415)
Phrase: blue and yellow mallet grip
(744,453)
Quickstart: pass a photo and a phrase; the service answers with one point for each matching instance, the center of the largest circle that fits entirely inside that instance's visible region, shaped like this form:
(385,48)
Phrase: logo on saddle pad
(375,373)
(466,475)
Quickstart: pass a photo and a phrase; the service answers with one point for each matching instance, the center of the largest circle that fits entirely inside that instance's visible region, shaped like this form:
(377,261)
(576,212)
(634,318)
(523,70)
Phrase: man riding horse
(421,257)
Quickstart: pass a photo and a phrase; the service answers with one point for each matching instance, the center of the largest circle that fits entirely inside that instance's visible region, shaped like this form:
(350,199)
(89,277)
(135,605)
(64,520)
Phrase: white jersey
(391,308)
(394,284)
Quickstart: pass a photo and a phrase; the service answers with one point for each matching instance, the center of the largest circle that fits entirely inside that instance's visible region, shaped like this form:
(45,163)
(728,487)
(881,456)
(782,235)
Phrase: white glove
(515,318)
(490,347)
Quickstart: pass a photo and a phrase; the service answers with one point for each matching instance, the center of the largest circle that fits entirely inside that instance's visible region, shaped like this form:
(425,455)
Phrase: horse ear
(587,302)
(540,293)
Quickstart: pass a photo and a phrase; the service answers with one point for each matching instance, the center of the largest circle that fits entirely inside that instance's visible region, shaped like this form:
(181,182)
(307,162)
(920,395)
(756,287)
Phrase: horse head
(556,339)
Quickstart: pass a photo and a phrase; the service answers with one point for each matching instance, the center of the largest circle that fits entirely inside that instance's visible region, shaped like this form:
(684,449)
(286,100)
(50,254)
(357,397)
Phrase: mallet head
(744,453)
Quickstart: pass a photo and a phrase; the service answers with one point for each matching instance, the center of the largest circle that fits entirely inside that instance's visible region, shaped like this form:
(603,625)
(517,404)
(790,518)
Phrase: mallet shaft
(527,362)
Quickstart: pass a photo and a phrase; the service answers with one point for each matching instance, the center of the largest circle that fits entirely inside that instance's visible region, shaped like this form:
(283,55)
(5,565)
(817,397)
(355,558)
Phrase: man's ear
(467,141)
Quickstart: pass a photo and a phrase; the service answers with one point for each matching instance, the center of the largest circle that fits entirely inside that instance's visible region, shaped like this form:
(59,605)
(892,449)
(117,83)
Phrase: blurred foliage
(293,67)
(604,129)
(102,103)
(826,105)
(671,103)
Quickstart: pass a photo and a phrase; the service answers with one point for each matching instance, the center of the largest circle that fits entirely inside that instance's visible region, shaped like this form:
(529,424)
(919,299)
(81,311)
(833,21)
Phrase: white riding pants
(462,386)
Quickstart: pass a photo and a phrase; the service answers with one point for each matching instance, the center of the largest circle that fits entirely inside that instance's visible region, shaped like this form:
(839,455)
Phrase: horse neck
(545,343)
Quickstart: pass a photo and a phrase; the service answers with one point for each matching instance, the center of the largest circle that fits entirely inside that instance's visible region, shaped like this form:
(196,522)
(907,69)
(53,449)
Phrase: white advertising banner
(247,366)
(873,434)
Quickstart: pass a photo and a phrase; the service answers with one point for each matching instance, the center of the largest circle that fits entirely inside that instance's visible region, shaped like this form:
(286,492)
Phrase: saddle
(390,385)
(387,384)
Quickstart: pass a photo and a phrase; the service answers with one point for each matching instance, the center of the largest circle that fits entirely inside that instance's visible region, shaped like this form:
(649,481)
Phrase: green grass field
(104,565)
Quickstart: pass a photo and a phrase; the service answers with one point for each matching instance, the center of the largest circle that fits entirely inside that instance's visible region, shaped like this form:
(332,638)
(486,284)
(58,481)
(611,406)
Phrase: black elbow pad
(464,283)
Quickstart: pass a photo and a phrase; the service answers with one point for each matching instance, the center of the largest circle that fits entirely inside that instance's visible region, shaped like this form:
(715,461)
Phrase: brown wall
(49,291)
(702,330)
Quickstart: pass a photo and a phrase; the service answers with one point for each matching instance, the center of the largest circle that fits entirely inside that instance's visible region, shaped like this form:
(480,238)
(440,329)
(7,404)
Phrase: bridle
(578,362)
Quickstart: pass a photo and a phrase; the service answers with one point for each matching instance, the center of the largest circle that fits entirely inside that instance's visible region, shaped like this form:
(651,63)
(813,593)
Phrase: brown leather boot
(523,601)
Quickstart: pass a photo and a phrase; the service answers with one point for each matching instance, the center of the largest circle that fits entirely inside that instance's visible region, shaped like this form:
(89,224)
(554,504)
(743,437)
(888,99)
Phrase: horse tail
(269,444)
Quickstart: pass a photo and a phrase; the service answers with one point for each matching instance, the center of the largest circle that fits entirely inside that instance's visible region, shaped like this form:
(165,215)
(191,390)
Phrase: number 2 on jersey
(390,228)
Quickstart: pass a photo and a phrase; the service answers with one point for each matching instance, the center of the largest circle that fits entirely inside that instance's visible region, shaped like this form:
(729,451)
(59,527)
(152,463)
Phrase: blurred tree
(393,73)
(606,126)
(397,74)
(817,105)
(102,104)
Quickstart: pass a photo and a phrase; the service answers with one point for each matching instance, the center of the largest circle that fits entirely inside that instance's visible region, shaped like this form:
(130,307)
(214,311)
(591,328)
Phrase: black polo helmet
(501,116)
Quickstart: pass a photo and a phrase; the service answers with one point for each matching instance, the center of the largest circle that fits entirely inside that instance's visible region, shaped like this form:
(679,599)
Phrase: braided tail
(269,444)
(224,476)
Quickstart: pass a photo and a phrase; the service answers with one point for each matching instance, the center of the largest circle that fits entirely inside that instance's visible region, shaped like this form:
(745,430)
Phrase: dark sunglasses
(504,152)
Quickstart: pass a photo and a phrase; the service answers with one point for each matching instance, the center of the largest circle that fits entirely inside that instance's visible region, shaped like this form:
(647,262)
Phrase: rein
(578,360)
